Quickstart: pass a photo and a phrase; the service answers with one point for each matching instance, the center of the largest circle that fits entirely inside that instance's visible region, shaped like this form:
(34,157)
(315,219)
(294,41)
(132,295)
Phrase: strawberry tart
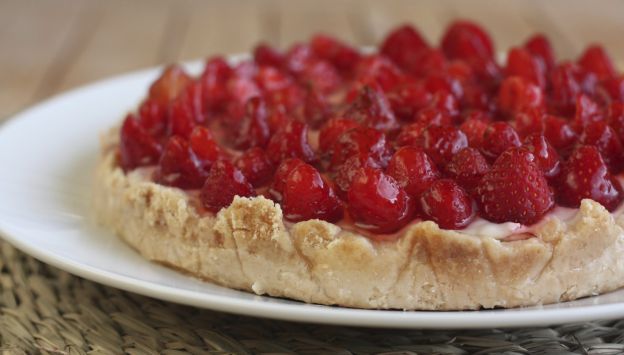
(413,177)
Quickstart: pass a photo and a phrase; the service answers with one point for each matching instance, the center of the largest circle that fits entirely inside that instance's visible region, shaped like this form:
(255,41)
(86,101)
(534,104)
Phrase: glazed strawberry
(298,57)
(256,166)
(152,117)
(559,133)
(136,146)
(205,147)
(281,174)
(377,68)
(498,137)
(179,166)
(565,88)
(446,102)
(254,127)
(540,48)
(433,116)
(239,91)
(272,79)
(528,122)
(308,196)
(518,94)
(546,156)
(515,189)
(613,89)
(442,142)
(223,183)
(407,99)
(331,131)
(447,204)
(346,171)
(474,129)
(290,142)
(171,82)
(585,175)
(186,110)
(338,53)
(410,134)
(437,82)
(466,40)
(404,46)
(214,84)
(361,140)
(321,75)
(467,168)
(371,108)
(316,109)
(477,97)
(596,60)
(264,54)
(413,170)
(587,111)
(521,63)
(615,117)
(430,60)
(603,137)
(377,202)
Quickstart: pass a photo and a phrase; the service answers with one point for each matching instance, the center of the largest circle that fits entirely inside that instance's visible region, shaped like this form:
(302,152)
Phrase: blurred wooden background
(48,46)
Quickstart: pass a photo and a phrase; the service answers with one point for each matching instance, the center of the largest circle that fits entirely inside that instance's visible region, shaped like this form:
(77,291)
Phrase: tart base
(248,246)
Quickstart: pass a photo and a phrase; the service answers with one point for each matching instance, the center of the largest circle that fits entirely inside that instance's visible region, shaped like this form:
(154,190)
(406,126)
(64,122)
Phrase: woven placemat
(46,310)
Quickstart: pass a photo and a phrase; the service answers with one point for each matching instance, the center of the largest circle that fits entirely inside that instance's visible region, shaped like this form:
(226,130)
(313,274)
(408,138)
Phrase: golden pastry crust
(248,246)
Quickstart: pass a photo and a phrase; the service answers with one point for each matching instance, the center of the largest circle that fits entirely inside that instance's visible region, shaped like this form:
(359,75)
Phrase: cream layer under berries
(378,141)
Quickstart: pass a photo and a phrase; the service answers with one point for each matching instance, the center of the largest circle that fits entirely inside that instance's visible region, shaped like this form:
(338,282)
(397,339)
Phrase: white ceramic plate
(47,154)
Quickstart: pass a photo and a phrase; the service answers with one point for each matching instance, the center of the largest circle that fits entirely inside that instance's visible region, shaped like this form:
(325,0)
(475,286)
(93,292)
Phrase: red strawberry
(474,129)
(254,127)
(540,48)
(597,61)
(603,137)
(308,196)
(498,137)
(171,82)
(361,140)
(515,189)
(346,171)
(410,134)
(267,55)
(136,146)
(442,142)
(256,166)
(371,108)
(281,174)
(404,46)
(331,131)
(559,133)
(224,183)
(205,147)
(517,94)
(546,156)
(179,166)
(413,170)
(291,141)
(466,40)
(447,204)
(585,175)
(520,62)
(377,202)
(467,168)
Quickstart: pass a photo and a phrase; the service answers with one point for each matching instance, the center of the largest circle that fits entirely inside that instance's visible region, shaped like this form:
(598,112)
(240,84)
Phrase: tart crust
(248,246)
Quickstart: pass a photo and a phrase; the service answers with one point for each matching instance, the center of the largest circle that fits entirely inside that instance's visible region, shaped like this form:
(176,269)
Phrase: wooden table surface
(49,46)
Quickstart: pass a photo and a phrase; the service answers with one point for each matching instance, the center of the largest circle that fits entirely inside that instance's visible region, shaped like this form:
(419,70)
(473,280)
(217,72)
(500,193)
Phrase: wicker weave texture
(46,310)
